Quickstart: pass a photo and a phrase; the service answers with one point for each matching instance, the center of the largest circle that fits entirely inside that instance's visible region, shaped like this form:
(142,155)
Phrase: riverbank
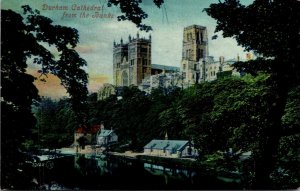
(127,154)
(77,150)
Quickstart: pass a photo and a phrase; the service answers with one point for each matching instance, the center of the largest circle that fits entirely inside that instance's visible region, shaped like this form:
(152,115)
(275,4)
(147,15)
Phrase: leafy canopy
(270,28)
(133,12)
(30,38)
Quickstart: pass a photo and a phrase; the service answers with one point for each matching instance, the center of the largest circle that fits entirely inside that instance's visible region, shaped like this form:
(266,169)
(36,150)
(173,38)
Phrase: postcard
(149,94)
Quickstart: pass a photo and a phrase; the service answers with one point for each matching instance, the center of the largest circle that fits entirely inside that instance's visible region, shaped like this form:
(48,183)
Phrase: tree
(131,115)
(26,39)
(82,141)
(271,29)
(133,12)
(213,112)
(287,174)
(56,122)
(162,116)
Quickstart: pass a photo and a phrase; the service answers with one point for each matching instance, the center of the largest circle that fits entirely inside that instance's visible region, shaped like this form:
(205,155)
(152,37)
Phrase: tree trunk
(269,142)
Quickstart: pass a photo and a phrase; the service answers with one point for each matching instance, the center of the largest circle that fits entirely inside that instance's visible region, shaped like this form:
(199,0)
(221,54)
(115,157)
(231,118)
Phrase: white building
(105,137)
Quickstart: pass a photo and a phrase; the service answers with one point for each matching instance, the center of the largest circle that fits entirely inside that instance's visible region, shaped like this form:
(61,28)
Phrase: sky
(96,35)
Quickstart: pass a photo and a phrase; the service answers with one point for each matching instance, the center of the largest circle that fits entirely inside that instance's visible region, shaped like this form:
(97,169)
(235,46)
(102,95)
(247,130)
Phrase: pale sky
(97,34)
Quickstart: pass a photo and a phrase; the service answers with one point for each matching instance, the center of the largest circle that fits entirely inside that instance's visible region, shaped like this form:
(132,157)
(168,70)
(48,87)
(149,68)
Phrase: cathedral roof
(163,67)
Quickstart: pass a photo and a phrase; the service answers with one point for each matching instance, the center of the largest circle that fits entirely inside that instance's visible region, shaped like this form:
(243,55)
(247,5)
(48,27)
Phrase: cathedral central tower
(194,50)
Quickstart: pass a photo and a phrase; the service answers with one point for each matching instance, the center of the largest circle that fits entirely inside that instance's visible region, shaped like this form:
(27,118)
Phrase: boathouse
(170,148)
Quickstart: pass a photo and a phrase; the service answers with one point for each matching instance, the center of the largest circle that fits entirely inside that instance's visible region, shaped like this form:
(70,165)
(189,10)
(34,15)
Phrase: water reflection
(97,173)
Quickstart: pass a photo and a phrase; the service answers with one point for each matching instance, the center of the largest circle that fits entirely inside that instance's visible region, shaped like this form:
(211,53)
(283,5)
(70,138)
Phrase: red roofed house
(88,133)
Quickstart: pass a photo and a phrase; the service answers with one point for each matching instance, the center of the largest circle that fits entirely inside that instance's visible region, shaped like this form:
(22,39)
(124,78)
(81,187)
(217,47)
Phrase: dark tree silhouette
(26,39)
(271,29)
(133,12)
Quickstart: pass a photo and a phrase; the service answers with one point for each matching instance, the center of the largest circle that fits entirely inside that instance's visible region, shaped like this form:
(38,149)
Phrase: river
(82,172)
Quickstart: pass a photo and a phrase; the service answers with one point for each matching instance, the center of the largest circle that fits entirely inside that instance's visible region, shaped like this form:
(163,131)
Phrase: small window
(201,53)
(144,62)
(201,37)
(144,50)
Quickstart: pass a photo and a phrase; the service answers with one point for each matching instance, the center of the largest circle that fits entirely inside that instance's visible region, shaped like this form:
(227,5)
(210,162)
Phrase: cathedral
(131,61)
(196,64)
(132,64)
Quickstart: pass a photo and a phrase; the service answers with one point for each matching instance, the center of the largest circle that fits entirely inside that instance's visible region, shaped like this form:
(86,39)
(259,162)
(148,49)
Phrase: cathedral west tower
(131,61)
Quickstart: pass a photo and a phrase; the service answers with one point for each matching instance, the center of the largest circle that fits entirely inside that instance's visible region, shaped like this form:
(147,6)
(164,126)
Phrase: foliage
(287,172)
(219,162)
(270,29)
(219,114)
(291,118)
(56,122)
(27,38)
(129,114)
(133,12)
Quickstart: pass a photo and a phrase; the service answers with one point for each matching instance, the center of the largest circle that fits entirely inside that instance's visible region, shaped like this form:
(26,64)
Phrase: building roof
(93,129)
(231,61)
(105,133)
(163,67)
(194,26)
(177,145)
